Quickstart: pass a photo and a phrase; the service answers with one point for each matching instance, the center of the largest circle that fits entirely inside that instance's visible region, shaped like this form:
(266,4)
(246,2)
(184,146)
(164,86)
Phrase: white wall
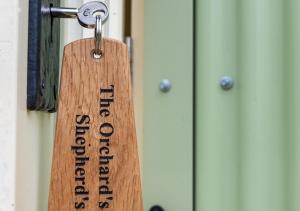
(8,102)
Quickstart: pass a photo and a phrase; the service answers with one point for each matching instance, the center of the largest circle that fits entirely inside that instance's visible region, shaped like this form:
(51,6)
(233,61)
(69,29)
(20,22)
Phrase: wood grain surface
(95,162)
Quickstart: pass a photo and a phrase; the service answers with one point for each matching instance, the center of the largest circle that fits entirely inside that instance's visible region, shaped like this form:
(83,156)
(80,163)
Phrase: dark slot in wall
(127,27)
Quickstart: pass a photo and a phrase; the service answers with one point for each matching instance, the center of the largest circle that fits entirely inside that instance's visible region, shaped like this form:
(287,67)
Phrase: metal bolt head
(165,85)
(226,82)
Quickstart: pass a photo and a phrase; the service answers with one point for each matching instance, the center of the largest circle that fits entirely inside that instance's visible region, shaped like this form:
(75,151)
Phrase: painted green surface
(168,141)
(248,138)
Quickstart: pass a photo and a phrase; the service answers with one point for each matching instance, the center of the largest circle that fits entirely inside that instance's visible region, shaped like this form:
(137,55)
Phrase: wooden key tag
(95,162)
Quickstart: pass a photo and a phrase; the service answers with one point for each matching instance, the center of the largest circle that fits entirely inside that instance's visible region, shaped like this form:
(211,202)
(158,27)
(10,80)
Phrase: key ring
(97,53)
(86,16)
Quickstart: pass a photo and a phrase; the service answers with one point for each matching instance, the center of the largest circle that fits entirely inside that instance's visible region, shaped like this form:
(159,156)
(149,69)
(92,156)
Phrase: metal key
(86,14)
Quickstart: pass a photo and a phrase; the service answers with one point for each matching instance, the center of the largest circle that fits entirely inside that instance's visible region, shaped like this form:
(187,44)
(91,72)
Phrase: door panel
(248,137)
(168,117)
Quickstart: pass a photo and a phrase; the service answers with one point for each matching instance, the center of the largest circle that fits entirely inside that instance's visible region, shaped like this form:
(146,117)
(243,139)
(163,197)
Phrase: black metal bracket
(43,56)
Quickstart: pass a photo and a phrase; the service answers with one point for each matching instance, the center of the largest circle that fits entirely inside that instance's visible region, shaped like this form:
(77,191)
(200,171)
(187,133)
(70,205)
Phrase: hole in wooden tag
(97,54)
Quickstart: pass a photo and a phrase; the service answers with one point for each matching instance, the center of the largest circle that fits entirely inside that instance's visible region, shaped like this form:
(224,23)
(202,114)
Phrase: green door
(211,149)
(168,117)
(248,140)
